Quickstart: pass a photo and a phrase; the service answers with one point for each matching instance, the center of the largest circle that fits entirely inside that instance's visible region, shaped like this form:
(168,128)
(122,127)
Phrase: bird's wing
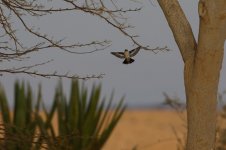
(133,52)
(118,54)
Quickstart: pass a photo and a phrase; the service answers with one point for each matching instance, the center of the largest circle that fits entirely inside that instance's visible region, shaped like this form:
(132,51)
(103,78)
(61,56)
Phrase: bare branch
(29,70)
(180,27)
(11,47)
(49,75)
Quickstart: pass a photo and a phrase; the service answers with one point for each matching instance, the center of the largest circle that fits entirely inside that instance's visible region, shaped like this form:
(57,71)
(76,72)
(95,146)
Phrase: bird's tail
(128,61)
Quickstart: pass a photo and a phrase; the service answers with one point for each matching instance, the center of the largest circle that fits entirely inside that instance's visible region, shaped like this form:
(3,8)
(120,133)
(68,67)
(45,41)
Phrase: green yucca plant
(18,129)
(84,123)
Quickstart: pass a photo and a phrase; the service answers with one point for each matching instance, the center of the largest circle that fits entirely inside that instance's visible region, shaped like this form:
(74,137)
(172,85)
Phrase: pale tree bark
(202,66)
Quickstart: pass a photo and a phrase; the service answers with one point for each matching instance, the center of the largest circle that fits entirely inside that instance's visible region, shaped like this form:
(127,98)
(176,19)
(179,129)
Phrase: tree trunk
(202,69)
(202,93)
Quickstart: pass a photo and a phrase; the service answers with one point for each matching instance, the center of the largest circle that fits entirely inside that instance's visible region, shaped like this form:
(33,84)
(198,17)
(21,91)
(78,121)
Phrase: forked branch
(180,27)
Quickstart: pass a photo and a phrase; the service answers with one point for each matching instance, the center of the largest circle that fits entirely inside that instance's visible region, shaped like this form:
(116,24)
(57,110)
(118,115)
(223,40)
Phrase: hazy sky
(142,82)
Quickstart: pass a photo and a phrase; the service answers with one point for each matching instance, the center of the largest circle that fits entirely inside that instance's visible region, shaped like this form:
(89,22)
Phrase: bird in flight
(127,55)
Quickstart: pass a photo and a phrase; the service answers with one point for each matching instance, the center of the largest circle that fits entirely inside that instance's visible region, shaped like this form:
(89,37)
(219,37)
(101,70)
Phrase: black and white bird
(127,55)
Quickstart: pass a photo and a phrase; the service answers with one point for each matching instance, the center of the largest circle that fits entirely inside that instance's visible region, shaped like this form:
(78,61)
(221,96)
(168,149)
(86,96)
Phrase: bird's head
(126,50)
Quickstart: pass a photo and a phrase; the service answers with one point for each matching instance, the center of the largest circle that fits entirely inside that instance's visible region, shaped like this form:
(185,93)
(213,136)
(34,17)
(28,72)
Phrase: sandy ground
(148,130)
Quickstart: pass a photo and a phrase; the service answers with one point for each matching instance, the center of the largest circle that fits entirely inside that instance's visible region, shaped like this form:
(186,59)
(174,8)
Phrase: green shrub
(84,121)
(18,131)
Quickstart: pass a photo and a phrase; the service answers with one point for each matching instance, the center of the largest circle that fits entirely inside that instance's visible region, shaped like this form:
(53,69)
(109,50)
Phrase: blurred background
(142,82)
